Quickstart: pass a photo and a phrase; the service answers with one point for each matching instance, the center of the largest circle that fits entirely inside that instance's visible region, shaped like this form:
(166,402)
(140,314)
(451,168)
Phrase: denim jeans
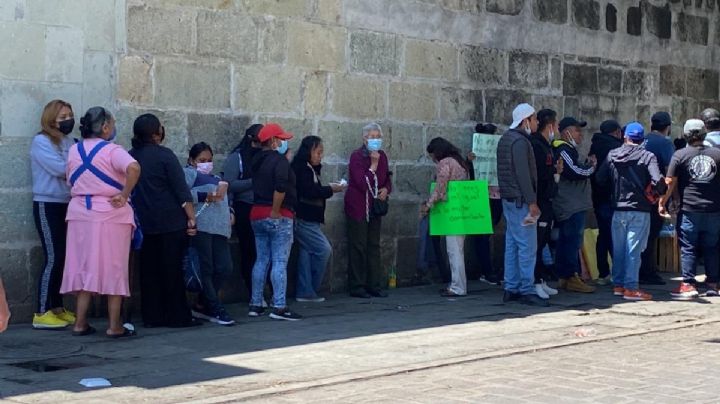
(567,261)
(630,230)
(215,266)
(313,255)
(520,249)
(455,248)
(604,245)
(699,231)
(273,240)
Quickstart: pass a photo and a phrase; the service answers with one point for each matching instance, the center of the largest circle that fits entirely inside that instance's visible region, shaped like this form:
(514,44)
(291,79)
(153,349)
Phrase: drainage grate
(55,364)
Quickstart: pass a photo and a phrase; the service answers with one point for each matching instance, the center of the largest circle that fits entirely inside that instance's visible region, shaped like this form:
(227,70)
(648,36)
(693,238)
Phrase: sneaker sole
(221,322)
(201,316)
(254,314)
(684,298)
(49,327)
(277,317)
(636,299)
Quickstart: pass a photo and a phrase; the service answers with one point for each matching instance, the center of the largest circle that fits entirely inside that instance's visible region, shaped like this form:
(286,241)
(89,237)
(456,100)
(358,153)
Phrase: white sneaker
(264,304)
(548,290)
(541,292)
(316,299)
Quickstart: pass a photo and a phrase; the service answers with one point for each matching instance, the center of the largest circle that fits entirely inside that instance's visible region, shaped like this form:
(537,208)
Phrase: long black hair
(144,127)
(302,156)
(198,148)
(440,148)
(250,136)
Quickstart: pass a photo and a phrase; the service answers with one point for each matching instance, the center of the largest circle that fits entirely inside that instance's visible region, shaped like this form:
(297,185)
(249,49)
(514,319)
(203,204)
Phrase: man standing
(517,179)
(694,170)
(711,117)
(571,204)
(630,172)
(658,143)
(609,138)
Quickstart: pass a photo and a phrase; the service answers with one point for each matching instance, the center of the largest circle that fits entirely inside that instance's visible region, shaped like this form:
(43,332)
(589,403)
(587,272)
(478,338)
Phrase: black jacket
(601,145)
(311,193)
(271,172)
(545,163)
(627,172)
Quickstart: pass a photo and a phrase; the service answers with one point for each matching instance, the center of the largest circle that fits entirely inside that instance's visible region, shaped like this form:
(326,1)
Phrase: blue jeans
(630,230)
(273,239)
(604,245)
(567,261)
(313,256)
(520,249)
(699,231)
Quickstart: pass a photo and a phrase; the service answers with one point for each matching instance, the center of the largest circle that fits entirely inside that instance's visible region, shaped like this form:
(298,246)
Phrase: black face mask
(66,126)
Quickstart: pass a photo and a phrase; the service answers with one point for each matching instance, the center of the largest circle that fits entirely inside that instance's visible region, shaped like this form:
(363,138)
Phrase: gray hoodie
(48,165)
(215,217)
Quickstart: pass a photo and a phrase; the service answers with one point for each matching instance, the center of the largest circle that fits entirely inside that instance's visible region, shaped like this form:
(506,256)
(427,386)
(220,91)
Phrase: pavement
(344,344)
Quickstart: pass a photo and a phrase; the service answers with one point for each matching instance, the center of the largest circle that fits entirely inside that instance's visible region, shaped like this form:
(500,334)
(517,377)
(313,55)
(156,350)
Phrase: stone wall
(422,69)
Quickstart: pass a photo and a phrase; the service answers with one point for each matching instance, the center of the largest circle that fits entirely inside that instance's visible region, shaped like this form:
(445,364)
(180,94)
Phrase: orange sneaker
(618,291)
(686,291)
(636,295)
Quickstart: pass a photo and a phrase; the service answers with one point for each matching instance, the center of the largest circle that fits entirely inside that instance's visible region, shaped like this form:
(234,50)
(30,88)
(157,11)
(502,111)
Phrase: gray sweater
(215,217)
(48,164)
(240,189)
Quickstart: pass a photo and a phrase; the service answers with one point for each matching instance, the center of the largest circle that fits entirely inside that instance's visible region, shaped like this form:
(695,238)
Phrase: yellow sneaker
(67,316)
(48,321)
(576,284)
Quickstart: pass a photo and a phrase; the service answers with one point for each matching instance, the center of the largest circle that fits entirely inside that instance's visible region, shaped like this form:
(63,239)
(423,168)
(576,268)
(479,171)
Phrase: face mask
(572,141)
(205,168)
(552,135)
(66,126)
(374,144)
(113,135)
(527,130)
(283,148)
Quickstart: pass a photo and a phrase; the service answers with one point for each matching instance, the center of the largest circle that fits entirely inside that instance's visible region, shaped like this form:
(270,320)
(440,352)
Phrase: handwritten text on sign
(466,211)
(485,163)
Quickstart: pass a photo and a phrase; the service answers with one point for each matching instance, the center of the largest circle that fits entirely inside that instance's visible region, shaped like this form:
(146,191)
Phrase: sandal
(89,330)
(126,333)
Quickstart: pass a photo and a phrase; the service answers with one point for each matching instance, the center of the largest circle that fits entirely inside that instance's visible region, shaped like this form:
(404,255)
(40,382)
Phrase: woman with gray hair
(100,221)
(365,204)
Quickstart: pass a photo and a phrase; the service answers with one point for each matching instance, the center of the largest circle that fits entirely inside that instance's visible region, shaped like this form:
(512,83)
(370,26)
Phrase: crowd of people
(95,204)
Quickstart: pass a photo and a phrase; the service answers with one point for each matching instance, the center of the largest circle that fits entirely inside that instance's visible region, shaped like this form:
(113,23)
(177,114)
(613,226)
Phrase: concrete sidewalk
(340,340)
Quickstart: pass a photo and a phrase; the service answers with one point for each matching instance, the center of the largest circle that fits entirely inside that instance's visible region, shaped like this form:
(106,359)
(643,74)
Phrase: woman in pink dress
(100,221)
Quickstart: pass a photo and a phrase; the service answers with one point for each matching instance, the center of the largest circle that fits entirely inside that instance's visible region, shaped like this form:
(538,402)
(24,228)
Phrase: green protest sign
(485,163)
(466,211)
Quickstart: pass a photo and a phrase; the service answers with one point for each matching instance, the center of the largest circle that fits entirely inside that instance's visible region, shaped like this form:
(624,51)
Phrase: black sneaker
(222,318)
(534,300)
(285,314)
(510,296)
(256,311)
(651,279)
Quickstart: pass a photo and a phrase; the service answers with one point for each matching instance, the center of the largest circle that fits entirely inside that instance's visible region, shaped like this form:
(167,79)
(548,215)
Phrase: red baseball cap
(271,130)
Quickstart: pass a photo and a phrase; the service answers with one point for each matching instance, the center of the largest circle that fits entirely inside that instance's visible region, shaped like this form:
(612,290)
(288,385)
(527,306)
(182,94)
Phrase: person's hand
(471,156)
(382,194)
(337,187)
(534,210)
(118,201)
(4,309)
(191,227)
(275,215)
(212,197)
(662,211)
(232,219)
(559,166)
(592,160)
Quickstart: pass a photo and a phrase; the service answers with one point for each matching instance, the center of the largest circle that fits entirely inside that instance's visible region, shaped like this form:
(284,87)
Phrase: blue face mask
(283,148)
(113,135)
(374,144)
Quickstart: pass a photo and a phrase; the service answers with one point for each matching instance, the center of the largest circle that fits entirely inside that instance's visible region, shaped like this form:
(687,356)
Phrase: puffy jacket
(602,143)
(627,171)
(573,193)
(517,174)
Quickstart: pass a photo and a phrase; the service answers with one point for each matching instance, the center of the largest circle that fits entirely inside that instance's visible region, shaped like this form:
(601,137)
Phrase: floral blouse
(448,169)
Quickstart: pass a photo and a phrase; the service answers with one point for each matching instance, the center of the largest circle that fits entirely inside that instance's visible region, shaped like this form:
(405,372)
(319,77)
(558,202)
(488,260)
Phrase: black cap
(570,121)
(609,126)
(661,120)
(710,115)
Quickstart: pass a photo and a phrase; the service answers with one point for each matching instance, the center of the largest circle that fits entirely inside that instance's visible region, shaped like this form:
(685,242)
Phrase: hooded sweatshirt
(48,162)
(573,194)
(602,143)
(627,171)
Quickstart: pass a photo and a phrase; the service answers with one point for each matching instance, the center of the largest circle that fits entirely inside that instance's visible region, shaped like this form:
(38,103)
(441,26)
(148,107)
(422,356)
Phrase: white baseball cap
(693,124)
(521,112)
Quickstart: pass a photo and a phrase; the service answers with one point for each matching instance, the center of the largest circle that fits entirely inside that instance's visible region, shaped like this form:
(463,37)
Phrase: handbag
(379,207)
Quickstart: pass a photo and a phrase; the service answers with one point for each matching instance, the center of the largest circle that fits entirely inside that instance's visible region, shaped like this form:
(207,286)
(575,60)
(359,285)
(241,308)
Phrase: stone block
(528,70)
(64,54)
(195,85)
(459,105)
(376,53)
(702,84)
(12,10)
(316,46)
(548,102)
(340,139)
(639,83)
(278,8)
(412,101)
(23,48)
(691,28)
(556,74)
(22,103)
(611,18)
(672,80)
(407,260)
(398,223)
(14,273)
(507,7)
(634,21)
(658,20)
(358,97)
(175,123)
(499,105)
(14,155)
(99,78)
(135,83)
(625,108)
(579,79)
(272,36)
(227,35)
(461,136)
(404,142)
(609,80)
(483,66)
(315,93)
(414,179)
(571,106)
(328,10)
(298,127)
(16,218)
(221,131)
(586,14)
(431,60)
(554,11)
(682,109)
(267,89)
(209,4)
(173,36)
(96,18)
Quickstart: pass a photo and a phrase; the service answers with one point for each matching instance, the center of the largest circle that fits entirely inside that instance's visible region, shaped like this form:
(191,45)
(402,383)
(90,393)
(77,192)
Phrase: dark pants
(544,231)
(215,266)
(162,286)
(604,246)
(699,232)
(482,243)
(246,242)
(567,260)
(364,272)
(441,256)
(52,229)
(648,257)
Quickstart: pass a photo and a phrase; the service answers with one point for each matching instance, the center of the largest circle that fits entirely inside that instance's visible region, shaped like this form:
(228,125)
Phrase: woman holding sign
(450,167)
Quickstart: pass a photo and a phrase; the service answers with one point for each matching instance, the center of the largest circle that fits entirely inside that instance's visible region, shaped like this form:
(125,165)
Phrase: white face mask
(552,135)
(572,141)
(205,168)
(527,130)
